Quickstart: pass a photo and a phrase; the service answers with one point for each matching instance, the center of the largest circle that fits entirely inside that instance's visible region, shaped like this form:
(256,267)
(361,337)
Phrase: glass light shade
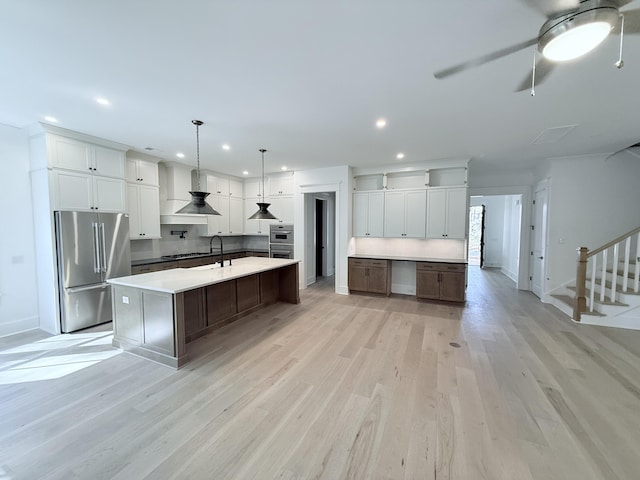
(198,205)
(577,41)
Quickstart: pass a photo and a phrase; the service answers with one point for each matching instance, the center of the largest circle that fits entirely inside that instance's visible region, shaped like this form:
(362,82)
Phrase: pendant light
(263,212)
(198,203)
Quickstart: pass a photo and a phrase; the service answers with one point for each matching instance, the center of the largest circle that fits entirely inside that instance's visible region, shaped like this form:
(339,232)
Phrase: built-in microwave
(281,233)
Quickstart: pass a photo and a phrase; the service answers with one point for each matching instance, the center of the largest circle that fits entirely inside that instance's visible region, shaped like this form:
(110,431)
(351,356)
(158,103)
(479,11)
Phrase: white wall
(591,201)
(18,298)
(511,237)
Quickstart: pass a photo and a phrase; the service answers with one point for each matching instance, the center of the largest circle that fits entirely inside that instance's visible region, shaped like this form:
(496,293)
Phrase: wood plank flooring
(336,387)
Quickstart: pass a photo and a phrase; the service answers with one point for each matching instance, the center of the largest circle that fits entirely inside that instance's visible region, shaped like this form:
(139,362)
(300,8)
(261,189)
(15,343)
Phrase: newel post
(581,282)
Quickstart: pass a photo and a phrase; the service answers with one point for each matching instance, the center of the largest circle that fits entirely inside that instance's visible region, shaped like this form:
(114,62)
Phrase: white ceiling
(308,79)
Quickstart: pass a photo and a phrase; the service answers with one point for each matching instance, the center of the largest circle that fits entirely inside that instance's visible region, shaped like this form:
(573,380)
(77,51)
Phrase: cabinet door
(376,214)
(223,209)
(72,191)
(253,188)
(282,209)
(281,185)
(427,284)
(235,189)
(217,185)
(253,226)
(108,162)
(236,216)
(109,194)
(133,203)
(357,278)
(247,292)
(131,173)
(394,214)
(194,311)
(452,286)
(436,213)
(360,214)
(70,154)
(213,221)
(148,172)
(415,209)
(456,212)
(377,279)
(149,208)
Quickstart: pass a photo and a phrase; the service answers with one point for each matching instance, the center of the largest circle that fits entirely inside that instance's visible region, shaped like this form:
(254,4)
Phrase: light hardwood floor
(336,387)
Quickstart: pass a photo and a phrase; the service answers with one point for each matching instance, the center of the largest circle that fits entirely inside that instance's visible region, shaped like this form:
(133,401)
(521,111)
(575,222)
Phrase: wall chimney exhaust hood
(178,186)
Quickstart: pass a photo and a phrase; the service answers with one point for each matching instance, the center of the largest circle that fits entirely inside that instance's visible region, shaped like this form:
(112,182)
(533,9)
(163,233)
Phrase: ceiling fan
(573,28)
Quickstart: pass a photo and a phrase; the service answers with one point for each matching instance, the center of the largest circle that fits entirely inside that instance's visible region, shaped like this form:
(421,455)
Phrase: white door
(539,238)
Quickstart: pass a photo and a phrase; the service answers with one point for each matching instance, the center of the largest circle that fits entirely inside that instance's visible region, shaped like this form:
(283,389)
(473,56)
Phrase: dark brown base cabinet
(441,281)
(369,275)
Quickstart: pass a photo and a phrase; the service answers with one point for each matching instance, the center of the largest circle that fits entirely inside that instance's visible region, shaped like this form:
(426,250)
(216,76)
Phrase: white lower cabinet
(80,191)
(447,212)
(144,212)
(405,214)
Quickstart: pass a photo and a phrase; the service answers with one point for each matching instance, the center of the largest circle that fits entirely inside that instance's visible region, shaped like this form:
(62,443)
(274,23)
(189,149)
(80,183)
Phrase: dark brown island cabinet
(370,275)
(441,281)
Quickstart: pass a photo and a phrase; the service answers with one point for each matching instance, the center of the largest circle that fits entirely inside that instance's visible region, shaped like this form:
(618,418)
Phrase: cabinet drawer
(368,262)
(440,267)
(153,267)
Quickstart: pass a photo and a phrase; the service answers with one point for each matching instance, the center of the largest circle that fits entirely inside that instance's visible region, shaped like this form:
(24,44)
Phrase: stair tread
(569,300)
(607,285)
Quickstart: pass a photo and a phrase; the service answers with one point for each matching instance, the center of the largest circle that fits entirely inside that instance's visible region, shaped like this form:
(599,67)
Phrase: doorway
(320,240)
(320,232)
(476,235)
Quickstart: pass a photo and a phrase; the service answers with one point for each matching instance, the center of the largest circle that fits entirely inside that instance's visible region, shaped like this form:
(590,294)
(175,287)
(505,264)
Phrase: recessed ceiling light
(51,119)
(381,123)
(180,155)
(103,101)
(400,156)
(226,147)
(283,168)
(244,172)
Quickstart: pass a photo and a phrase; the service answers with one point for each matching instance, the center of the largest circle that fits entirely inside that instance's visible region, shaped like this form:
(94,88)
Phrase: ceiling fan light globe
(576,42)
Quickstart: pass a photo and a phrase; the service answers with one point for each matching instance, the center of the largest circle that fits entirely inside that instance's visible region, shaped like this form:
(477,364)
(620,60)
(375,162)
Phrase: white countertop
(182,279)
(409,259)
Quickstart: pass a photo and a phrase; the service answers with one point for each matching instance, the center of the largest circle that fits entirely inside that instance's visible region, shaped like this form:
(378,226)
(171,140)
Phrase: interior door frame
(539,231)
(522,282)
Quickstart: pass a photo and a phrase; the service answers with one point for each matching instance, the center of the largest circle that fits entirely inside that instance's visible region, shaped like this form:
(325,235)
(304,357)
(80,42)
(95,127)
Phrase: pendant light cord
(262,150)
(197,123)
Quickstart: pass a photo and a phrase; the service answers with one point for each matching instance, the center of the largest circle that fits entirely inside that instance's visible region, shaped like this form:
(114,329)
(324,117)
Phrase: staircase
(607,287)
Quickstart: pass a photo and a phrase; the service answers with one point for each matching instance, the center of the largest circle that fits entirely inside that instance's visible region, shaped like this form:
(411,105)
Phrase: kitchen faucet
(221,250)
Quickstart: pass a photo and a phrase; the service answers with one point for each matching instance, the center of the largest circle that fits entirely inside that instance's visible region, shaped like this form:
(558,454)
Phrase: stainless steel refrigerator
(91,248)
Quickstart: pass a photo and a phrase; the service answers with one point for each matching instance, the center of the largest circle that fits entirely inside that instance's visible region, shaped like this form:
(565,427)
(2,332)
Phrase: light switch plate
(125,300)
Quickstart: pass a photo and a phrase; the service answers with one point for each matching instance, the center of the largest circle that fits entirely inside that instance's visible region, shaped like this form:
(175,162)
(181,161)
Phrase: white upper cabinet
(282,208)
(236,189)
(236,216)
(144,211)
(253,188)
(72,154)
(142,172)
(368,214)
(281,185)
(215,185)
(254,227)
(447,212)
(81,191)
(405,214)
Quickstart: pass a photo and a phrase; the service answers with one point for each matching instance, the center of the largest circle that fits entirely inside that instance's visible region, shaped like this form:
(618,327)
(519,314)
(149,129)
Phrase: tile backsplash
(172,244)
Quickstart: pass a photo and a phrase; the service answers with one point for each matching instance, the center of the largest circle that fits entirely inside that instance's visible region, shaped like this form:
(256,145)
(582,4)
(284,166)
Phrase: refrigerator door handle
(86,288)
(96,248)
(103,250)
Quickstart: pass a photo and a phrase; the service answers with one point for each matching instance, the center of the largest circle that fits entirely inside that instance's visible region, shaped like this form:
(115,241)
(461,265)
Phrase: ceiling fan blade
(551,8)
(632,149)
(476,62)
(544,67)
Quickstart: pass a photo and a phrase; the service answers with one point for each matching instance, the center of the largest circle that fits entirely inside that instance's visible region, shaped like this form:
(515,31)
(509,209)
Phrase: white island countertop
(182,279)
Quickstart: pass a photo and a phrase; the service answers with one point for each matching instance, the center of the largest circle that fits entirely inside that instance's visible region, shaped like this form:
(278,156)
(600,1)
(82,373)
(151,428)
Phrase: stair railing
(597,261)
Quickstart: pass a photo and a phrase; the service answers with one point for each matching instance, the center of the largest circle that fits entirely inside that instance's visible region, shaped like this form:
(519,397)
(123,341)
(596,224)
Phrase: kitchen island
(156,314)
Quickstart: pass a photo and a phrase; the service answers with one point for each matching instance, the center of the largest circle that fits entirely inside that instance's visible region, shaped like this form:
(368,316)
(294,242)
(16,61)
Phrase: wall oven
(281,250)
(281,233)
